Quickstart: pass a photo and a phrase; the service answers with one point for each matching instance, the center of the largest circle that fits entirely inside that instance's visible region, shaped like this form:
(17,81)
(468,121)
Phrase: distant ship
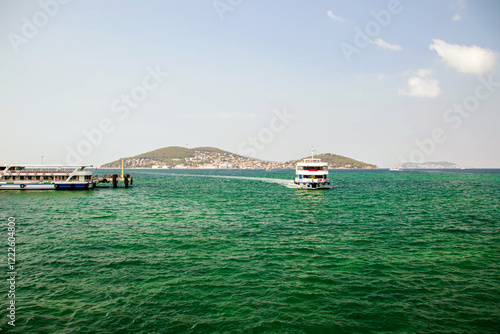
(46,177)
(312,173)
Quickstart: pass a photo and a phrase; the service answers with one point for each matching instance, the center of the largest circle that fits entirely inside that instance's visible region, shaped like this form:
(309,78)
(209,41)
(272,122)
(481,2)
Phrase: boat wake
(283,182)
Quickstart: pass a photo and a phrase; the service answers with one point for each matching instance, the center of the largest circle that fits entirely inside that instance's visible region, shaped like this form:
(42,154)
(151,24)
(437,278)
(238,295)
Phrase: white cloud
(459,7)
(423,72)
(381,77)
(384,45)
(335,17)
(466,59)
(421,85)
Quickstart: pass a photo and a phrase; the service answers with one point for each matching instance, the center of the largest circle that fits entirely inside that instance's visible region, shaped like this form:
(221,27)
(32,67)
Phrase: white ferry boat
(312,173)
(46,177)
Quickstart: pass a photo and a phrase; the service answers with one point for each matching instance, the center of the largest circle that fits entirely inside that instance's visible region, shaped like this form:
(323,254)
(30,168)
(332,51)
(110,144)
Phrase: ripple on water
(239,251)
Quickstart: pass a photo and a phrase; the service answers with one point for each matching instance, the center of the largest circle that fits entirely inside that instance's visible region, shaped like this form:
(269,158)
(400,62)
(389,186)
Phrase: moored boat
(312,173)
(46,177)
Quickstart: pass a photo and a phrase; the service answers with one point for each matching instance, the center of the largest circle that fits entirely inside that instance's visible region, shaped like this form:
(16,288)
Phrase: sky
(384,82)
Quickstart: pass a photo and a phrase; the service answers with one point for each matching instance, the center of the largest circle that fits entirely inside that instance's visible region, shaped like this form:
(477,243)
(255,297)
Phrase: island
(215,158)
(428,165)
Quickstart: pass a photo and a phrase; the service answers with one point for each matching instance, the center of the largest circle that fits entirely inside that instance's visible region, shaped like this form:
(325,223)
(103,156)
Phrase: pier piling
(115,179)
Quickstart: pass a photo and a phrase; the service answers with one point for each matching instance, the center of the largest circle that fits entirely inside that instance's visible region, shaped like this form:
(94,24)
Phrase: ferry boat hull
(313,186)
(46,186)
(46,178)
(312,174)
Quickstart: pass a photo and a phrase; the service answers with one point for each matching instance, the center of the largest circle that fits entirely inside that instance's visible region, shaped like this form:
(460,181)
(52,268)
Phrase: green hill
(211,157)
(172,156)
(339,161)
(166,153)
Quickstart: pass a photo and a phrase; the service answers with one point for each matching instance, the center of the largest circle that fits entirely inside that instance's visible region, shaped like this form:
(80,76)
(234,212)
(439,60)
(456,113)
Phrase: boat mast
(312,152)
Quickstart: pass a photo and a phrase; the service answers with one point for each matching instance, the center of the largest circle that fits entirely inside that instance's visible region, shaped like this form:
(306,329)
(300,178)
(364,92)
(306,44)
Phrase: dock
(114,179)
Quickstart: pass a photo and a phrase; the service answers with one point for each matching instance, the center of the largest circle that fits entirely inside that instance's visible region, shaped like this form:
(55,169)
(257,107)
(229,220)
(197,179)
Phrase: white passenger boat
(312,173)
(46,177)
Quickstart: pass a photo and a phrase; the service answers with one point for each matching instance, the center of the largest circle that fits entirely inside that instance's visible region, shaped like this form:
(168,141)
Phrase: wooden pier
(115,179)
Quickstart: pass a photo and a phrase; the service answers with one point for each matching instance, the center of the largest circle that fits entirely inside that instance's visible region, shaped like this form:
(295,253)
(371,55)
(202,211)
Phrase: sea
(243,251)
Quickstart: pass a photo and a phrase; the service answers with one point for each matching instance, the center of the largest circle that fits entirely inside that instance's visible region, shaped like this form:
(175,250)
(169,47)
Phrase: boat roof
(312,162)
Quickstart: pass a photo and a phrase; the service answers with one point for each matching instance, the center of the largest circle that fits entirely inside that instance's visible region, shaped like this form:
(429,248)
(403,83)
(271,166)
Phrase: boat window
(313,168)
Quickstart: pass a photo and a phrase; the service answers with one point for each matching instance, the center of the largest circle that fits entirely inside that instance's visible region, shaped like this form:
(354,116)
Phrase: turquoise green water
(239,251)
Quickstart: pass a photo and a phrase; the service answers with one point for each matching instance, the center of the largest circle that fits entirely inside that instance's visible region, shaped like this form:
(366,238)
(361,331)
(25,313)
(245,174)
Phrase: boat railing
(47,169)
(65,173)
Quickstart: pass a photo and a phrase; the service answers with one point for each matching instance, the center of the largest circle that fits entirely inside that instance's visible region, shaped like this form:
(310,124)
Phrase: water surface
(199,251)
